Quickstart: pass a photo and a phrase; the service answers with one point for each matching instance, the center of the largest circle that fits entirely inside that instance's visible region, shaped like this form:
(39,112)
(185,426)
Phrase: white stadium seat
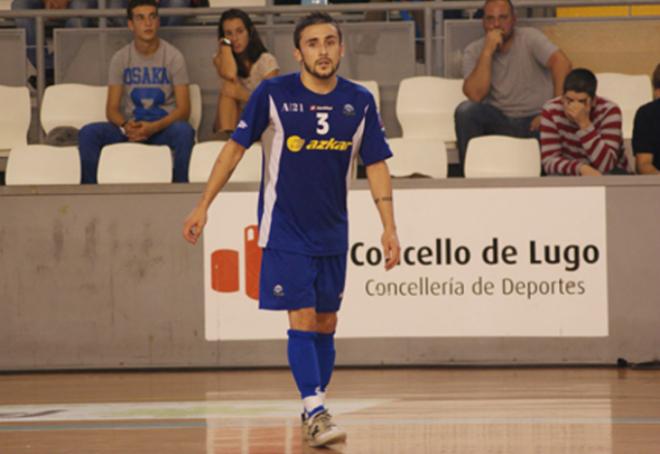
(43,164)
(502,156)
(135,163)
(629,92)
(14,116)
(425,106)
(421,156)
(77,105)
(72,105)
(204,155)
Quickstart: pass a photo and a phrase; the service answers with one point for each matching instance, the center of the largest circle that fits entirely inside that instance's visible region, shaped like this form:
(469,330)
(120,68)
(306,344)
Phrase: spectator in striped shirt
(581,132)
(646,132)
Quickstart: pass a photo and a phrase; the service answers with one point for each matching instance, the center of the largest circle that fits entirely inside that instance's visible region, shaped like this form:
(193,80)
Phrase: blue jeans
(29,25)
(179,136)
(164,21)
(474,119)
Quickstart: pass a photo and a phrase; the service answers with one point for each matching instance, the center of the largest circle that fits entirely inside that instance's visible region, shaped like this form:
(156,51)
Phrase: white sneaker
(319,430)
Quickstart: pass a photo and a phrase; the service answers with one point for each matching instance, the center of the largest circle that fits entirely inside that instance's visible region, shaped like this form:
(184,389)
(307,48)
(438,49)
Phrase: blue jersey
(309,143)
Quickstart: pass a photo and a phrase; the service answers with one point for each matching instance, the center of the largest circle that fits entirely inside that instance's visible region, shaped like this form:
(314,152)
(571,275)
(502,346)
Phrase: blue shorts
(292,281)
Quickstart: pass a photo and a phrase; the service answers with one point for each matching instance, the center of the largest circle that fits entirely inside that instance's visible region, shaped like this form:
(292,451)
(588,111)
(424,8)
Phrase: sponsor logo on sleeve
(348,110)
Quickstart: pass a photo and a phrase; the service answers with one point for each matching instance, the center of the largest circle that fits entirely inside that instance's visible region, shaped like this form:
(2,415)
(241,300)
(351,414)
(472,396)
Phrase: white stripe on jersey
(271,171)
(357,143)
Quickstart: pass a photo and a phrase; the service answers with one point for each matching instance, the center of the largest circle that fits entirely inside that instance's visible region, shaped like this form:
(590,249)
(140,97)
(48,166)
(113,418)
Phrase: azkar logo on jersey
(297,143)
(329,144)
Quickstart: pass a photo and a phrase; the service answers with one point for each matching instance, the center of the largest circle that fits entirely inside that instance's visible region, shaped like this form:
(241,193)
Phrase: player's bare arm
(224,166)
(380,185)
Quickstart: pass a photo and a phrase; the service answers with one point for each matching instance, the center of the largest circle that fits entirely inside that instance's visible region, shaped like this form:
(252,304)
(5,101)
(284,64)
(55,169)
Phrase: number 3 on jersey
(322,126)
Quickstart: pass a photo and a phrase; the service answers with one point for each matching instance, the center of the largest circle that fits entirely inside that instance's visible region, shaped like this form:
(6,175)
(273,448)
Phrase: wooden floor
(508,411)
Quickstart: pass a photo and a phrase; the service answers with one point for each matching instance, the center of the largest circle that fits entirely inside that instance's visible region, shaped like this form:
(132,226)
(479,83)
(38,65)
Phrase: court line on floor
(123,411)
(345,422)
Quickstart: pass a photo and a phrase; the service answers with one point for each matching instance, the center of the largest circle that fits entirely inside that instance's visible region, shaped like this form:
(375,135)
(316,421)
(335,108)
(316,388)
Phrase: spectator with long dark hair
(242,62)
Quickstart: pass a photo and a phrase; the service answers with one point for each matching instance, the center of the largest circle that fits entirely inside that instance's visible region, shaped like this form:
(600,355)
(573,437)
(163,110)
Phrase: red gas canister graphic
(252,261)
(224,270)
(225,267)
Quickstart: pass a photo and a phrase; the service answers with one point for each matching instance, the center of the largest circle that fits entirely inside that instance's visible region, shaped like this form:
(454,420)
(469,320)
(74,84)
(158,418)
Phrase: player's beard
(318,75)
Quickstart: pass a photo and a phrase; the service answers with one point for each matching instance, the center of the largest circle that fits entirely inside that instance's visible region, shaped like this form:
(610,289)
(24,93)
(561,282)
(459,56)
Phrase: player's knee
(326,322)
(303,319)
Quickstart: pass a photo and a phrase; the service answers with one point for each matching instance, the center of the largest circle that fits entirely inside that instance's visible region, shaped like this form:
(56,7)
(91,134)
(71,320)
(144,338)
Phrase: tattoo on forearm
(382,199)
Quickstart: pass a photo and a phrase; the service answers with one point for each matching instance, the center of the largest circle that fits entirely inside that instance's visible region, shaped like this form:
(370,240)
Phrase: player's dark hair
(656,77)
(255,46)
(132,4)
(581,80)
(314,18)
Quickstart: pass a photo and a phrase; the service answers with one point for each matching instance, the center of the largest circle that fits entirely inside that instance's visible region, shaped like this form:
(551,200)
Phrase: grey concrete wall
(12,58)
(99,277)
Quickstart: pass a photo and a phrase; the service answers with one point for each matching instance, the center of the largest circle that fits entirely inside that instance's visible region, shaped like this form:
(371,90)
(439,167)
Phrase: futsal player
(312,125)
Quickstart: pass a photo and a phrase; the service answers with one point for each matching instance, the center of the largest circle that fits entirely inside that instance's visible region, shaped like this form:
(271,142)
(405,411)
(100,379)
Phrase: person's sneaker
(303,425)
(319,430)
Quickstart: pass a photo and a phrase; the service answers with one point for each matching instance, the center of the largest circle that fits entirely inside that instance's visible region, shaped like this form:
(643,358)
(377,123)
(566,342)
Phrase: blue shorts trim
(292,281)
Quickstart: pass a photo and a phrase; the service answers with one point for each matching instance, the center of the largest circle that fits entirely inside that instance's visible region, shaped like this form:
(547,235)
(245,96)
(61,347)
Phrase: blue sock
(325,350)
(304,365)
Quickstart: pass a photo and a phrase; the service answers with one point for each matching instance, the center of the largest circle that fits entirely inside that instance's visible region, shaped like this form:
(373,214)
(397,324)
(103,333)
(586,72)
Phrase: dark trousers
(179,136)
(474,119)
